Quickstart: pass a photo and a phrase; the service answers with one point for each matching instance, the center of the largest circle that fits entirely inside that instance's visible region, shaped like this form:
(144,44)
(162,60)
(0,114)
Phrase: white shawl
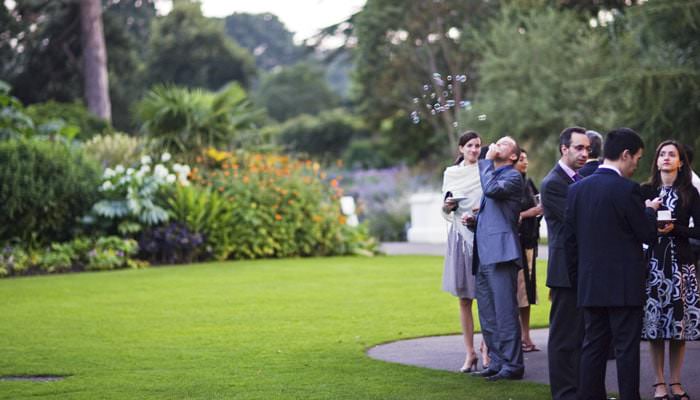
(464,183)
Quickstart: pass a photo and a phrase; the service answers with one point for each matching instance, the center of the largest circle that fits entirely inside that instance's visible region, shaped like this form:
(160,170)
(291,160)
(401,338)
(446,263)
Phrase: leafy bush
(80,254)
(75,115)
(205,211)
(133,197)
(44,188)
(279,207)
(183,121)
(14,122)
(325,137)
(170,244)
(115,149)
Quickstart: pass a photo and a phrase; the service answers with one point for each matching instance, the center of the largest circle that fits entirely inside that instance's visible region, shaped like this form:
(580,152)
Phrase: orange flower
(278,217)
(226,173)
(221,189)
(246,179)
(334,183)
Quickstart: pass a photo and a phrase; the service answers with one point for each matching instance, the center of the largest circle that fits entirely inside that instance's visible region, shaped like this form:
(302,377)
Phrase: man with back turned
(606,225)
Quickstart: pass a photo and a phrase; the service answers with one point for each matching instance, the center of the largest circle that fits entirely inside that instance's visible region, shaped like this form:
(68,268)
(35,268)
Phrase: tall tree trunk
(95,59)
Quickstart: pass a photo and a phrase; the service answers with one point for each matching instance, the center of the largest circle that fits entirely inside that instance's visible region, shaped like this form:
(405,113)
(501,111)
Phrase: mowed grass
(269,329)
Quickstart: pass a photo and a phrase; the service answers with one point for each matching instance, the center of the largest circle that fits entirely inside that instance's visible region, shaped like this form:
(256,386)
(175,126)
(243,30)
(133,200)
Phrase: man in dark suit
(606,225)
(499,258)
(565,319)
(593,155)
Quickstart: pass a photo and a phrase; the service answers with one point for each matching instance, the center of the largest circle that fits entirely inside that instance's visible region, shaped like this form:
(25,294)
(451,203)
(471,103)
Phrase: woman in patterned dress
(461,188)
(672,308)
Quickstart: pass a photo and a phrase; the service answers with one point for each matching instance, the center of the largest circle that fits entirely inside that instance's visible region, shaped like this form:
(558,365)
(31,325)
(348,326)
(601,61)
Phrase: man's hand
(654,203)
(493,152)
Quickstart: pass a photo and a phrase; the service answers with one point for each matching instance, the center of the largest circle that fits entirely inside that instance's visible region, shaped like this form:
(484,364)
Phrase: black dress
(672,307)
(529,233)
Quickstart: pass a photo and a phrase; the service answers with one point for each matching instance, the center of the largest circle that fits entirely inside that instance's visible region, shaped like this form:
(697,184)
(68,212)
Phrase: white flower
(145,160)
(165,157)
(106,186)
(109,172)
(129,171)
(144,169)
(119,169)
(170,178)
(160,171)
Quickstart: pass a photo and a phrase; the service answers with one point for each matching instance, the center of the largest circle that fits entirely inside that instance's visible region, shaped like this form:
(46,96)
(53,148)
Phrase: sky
(303,17)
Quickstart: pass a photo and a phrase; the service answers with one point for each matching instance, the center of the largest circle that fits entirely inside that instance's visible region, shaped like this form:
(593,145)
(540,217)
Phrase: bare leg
(525,325)
(657,362)
(676,353)
(485,359)
(467,320)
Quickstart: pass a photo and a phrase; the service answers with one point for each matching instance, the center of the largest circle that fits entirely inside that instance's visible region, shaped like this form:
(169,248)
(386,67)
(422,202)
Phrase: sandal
(529,347)
(664,397)
(679,396)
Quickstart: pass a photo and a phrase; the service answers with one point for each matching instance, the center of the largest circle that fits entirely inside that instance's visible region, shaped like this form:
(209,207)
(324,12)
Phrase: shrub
(170,244)
(133,197)
(80,254)
(115,149)
(205,211)
(183,121)
(44,188)
(279,206)
(324,137)
(52,113)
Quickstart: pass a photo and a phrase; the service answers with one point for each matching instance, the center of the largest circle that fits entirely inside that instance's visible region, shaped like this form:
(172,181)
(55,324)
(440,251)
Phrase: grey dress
(457,277)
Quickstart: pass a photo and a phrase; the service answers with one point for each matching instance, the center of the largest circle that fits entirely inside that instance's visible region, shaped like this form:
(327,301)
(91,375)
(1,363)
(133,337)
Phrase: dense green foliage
(185,121)
(264,36)
(325,137)
(190,50)
(44,188)
(266,329)
(79,254)
(274,206)
(73,114)
(295,90)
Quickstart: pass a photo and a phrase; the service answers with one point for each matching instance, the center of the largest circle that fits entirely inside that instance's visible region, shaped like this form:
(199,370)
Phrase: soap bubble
(482,117)
(426,87)
(415,100)
(449,77)
(455,124)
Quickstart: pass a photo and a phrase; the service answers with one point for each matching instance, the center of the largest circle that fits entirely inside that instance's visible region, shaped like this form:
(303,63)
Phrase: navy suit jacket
(497,222)
(554,188)
(589,168)
(606,224)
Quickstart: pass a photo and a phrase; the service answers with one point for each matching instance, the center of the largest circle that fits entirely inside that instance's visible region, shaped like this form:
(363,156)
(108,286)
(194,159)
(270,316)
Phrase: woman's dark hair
(683,183)
(463,140)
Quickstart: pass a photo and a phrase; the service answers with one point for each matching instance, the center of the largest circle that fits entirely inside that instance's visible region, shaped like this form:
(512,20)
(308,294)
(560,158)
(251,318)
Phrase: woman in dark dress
(672,308)
(529,233)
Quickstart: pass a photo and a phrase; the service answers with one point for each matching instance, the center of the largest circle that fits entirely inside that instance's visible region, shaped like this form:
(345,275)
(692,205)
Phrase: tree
(400,48)
(191,50)
(299,89)
(43,40)
(264,36)
(94,59)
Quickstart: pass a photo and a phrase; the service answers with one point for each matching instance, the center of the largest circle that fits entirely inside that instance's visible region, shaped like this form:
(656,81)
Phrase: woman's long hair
(683,183)
(466,137)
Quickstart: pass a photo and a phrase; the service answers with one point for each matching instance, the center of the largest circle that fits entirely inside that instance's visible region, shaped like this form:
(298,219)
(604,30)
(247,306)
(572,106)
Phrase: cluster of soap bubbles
(431,100)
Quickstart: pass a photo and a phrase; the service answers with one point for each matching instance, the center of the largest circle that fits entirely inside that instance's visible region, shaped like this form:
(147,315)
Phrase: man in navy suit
(593,155)
(606,225)
(565,319)
(498,258)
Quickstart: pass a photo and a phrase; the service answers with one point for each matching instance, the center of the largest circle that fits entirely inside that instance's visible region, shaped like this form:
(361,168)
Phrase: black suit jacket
(588,168)
(553,195)
(606,224)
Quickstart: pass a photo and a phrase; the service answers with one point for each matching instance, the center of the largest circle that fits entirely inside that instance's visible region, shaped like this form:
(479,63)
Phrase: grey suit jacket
(553,192)
(497,222)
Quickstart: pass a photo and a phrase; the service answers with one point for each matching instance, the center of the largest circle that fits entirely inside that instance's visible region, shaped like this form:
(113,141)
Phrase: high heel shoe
(469,365)
(679,396)
(664,397)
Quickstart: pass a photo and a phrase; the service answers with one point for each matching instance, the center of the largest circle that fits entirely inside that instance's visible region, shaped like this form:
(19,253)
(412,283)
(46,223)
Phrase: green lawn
(251,330)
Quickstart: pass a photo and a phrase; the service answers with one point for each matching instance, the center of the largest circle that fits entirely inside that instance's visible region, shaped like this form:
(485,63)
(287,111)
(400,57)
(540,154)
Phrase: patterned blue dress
(672,308)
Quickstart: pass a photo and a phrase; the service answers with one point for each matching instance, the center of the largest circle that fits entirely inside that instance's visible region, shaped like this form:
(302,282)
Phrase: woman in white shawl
(461,188)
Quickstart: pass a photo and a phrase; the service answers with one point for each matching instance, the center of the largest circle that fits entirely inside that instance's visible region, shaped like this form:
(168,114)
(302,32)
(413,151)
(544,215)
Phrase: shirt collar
(570,172)
(610,167)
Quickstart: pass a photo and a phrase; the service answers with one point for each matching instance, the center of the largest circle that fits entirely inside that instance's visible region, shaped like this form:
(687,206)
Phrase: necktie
(577,177)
